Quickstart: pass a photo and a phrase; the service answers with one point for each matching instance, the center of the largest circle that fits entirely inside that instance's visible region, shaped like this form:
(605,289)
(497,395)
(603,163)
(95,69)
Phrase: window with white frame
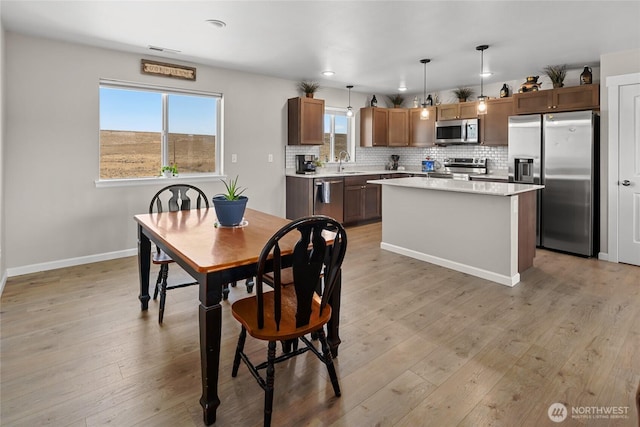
(338,135)
(144,128)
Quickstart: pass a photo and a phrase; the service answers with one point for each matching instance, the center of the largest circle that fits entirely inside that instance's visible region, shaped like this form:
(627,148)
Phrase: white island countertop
(459,186)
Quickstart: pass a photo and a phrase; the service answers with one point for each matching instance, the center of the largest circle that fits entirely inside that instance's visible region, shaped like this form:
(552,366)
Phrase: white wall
(3,268)
(51,148)
(611,64)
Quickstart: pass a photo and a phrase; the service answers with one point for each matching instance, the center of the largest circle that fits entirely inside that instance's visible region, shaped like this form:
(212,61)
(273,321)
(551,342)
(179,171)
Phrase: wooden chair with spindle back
(291,312)
(172,198)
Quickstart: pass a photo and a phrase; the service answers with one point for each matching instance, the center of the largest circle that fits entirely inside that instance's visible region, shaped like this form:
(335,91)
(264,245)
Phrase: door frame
(613,86)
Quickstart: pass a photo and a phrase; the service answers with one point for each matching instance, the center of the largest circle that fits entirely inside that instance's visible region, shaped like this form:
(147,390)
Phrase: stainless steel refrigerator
(560,151)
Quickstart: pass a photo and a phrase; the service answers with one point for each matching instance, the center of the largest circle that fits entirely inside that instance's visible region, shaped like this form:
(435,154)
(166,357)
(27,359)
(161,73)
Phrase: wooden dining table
(214,256)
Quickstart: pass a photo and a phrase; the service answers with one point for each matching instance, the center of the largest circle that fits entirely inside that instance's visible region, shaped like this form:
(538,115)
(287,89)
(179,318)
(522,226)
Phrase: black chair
(290,312)
(172,198)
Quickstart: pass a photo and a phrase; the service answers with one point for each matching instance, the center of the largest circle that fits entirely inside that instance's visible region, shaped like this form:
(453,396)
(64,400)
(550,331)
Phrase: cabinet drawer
(359,180)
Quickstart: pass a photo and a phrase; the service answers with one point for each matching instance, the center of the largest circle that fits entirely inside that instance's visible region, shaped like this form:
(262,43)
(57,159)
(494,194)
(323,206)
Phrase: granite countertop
(460,186)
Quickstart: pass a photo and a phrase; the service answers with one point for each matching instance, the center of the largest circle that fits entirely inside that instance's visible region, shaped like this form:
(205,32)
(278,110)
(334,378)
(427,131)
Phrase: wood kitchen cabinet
(574,98)
(299,197)
(398,127)
(305,121)
(461,110)
(362,201)
(494,126)
(422,133)
(374,127)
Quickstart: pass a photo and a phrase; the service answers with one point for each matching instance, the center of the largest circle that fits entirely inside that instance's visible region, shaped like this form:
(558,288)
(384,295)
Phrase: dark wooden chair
(172,198)
(288,313)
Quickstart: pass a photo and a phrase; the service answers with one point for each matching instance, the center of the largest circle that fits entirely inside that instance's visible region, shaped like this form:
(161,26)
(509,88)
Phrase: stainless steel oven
(450,132)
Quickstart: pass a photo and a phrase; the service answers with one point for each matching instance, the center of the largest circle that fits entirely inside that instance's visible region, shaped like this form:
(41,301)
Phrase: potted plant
(230,206)
(462,93)
(308,88)
(169,171)
(318,164)
(396,100)
(556,74)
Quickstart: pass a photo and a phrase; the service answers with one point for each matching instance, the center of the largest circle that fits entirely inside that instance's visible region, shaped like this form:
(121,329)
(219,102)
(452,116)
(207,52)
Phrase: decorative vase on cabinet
(586,76)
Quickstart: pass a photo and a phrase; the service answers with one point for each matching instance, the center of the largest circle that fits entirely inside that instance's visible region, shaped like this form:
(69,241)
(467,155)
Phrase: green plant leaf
(233,191)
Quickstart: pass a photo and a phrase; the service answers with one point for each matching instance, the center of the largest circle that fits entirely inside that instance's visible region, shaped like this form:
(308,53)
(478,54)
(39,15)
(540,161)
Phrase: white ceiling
(374,45)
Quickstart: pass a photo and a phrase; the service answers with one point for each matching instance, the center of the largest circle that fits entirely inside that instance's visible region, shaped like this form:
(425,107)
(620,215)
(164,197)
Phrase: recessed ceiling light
(328,73)
(402,88)
(486,74)
(217,23)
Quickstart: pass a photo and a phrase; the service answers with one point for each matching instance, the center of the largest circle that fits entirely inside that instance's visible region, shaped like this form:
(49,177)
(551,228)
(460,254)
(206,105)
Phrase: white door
(629,175)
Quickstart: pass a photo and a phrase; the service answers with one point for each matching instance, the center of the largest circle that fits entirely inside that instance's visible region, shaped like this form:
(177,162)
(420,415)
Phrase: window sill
(180,179)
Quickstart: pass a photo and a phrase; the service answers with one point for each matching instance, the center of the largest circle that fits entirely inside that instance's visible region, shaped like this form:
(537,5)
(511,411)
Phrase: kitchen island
(486,229)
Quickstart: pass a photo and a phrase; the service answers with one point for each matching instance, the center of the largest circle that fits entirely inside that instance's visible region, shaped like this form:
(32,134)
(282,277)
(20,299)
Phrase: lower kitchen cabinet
(351,199)
(362,201)
(299,195)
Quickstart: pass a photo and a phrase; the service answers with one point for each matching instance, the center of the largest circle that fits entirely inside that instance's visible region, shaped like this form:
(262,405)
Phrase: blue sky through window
(141,111)
(341,123)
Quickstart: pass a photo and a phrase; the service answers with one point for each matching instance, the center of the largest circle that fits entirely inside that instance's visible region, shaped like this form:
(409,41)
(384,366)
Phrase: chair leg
(225,290)
(268,391)
(328,360)
(239,349)
(250,282)
(158,281)
(287,345)
(164,269)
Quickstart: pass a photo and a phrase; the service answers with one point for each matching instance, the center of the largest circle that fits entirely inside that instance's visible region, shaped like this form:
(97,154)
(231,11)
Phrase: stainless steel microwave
(457,132)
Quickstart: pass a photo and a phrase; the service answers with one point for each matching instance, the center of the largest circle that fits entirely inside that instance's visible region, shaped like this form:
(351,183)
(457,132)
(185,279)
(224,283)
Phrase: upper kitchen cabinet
(574,98)
(374,127)
(422,133)
(306,121)
(494,125)
(461,110)
(398,127)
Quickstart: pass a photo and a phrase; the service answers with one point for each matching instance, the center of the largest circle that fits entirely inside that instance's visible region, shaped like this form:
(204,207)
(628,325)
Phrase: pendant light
(482,100)
(424,114)
(349,109)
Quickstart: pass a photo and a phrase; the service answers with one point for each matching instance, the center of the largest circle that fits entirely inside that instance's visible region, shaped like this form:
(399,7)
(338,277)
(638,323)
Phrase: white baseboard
(70,262)
(463,268)
(604,256)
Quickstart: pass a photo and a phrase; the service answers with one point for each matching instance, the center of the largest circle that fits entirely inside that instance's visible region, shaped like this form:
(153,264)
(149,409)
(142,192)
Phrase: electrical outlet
(270,158)
(234,158)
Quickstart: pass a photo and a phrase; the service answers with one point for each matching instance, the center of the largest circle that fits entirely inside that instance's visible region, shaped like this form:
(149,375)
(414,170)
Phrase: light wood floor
(421,346)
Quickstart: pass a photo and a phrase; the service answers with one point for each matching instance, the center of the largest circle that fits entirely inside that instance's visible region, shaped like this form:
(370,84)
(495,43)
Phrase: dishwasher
(328,197)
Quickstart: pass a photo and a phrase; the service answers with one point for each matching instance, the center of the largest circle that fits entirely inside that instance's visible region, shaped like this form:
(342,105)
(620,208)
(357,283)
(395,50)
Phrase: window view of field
(340,145)
(129,154)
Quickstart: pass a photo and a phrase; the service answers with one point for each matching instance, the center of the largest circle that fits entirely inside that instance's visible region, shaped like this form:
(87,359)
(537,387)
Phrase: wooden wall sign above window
(167,70)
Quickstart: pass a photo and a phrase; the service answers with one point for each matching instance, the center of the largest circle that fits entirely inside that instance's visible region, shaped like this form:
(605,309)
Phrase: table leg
(210,319)
(144,264)
(333,325)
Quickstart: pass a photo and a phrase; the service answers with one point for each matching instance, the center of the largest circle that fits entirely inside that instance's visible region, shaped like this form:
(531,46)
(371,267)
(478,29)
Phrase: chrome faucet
(346,159)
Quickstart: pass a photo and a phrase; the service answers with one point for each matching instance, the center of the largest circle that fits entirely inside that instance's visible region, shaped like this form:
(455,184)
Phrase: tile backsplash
(411,157)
